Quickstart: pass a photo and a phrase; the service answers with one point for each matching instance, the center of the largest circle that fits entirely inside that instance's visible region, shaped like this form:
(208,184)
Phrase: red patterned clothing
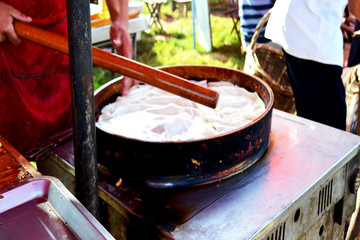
(35,94)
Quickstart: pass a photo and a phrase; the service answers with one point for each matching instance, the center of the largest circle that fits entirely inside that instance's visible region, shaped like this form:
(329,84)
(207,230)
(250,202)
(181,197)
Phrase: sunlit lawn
(175,46)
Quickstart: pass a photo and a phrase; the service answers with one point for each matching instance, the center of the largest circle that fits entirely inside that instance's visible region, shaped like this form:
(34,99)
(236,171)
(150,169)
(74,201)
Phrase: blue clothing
(250,13)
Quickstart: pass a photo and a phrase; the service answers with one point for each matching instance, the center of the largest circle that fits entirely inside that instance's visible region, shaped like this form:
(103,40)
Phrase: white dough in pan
(151,114)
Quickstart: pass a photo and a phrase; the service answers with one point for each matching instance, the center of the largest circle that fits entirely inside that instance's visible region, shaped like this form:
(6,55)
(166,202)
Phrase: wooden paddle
(125,66)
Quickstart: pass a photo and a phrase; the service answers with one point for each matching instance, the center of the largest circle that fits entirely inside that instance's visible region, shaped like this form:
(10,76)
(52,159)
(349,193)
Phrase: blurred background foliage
(175,45)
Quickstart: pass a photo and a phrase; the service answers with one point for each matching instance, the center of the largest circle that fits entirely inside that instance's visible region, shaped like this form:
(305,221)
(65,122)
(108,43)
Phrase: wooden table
(183,5)
(14,168)
(154,7)
(234,14)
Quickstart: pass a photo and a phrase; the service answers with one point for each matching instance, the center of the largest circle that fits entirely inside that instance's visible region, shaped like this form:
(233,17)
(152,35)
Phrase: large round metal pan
(187,163)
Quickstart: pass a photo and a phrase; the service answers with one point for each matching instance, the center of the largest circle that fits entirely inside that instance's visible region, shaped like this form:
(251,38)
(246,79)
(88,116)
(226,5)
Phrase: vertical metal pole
(193,23)
(82,92)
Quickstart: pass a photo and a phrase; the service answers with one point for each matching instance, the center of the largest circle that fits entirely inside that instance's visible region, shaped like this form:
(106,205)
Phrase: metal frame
(82,92)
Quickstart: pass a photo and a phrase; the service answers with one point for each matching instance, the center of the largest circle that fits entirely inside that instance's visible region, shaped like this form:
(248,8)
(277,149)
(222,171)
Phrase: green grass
(175,46)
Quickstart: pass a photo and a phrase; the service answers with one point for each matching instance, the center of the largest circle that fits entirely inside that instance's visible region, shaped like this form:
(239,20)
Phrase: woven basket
(268,63)
(351,81)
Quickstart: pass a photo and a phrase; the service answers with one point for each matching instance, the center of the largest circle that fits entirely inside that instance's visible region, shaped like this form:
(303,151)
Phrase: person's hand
(121,39)
(7,15)
(122,43)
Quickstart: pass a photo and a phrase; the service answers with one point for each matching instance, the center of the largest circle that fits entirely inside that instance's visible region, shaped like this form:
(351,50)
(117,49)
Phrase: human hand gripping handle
(7,16)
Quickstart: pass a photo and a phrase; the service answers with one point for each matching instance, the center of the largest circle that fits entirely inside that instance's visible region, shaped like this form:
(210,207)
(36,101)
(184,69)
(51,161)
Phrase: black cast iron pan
(187,163)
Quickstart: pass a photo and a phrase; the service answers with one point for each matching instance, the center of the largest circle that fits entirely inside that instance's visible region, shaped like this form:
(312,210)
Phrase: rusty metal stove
(299,189)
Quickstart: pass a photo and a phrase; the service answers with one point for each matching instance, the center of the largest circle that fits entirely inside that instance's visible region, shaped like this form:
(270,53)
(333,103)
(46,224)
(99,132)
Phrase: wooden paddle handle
(124,66)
